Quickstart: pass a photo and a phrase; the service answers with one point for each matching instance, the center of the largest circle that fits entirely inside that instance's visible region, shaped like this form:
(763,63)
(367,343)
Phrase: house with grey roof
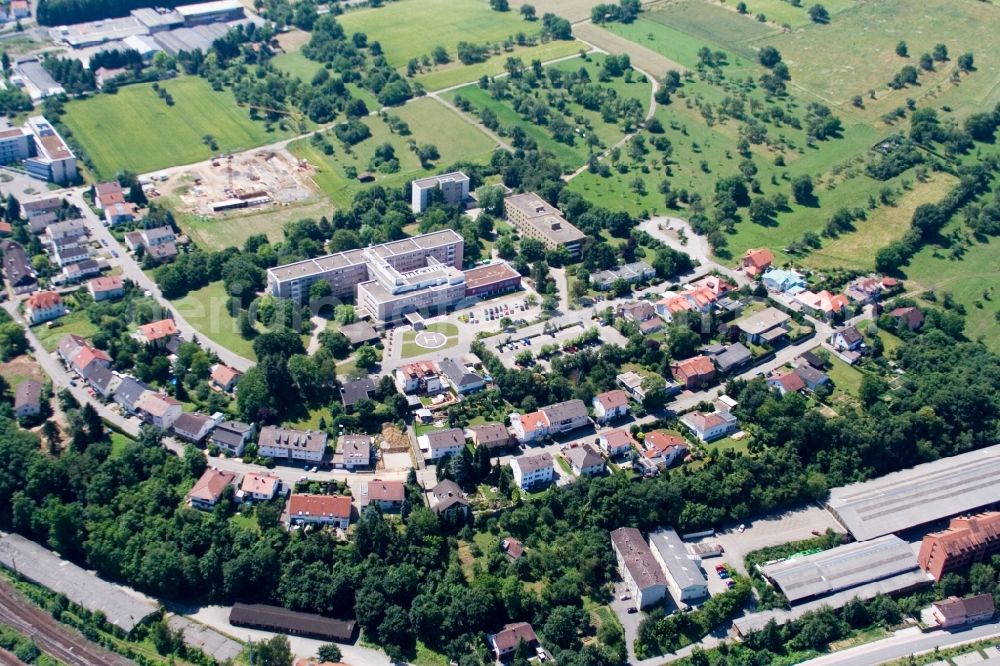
(462,379)
(353,452)
(735,356)
(447,498)
(685,579)
(193,426)
(232,436)
(355,390)
(27,399)
(584,460)
(128,392)
(491,435)
(100,378)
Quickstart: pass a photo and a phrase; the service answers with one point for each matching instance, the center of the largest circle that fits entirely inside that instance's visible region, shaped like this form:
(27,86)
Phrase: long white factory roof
(919,495)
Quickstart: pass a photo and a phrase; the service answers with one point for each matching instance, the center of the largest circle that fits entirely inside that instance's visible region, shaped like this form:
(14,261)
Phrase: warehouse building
(293,623)
(920,495)
(685,578)
(638,567)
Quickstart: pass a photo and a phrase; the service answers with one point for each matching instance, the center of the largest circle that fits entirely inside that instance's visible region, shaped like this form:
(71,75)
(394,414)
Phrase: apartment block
(454,188)
(534,218)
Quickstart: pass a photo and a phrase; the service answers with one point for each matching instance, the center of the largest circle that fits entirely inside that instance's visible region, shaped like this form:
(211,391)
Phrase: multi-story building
(454,188)
(52,159)
(346,270)
(532,471)
(968,539)
(258,487)
(158,409)
(275,442)
(334,510)
(534,218)
(232,436)
(685,579)
(386,495)
(44,306)
(439,443)
(643,576)
(610,405)
(708,426)
(15,144)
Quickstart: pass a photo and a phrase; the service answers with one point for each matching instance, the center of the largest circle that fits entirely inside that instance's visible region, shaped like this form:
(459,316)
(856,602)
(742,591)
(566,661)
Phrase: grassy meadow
(135,130)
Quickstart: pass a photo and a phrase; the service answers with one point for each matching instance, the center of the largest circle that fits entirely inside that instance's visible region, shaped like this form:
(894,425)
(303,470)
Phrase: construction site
(254,179)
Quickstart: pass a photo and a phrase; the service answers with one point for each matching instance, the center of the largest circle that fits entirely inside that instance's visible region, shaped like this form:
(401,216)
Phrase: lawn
(729,444)
(245,521)
(846,379)
(118,443)
(455,73)
(856,50)
(297,65)
(968,279)
(207,310)
(427,119)
(411,348)
(232,229)
(411,28)
(75,323)
(855,250)
(135,130)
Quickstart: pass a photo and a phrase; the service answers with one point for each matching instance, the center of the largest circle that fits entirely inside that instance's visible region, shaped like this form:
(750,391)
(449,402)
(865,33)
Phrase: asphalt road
(903,644)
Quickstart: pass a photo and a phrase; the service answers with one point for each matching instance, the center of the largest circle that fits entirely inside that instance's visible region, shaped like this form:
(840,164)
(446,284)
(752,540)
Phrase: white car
(625,597)
(741,528)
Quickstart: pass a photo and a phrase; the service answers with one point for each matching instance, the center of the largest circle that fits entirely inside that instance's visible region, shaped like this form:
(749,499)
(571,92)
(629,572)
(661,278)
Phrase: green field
(207,310)
(672,43)
(75,323)
(855,51)
(232,229)
(427,119)
(782,12)
(969,279)
(455,73)
(135,129)
(411,28)
(297,65)
(712,24)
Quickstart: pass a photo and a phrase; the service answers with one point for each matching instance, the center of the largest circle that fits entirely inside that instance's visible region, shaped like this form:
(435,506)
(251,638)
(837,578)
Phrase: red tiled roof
(612,399)
(211,485)
(534,421)
(386,491)
(43,299)
(223,375)
(758,258)
(336,506)
(661,440)
(694,366)
(158,330)
(259,483)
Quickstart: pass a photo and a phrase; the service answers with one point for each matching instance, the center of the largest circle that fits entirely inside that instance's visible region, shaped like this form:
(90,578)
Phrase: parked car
(633,609)
(730,583)
(625,597)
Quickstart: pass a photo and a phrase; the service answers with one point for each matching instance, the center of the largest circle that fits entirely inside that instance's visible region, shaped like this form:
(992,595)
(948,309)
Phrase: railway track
(52,638)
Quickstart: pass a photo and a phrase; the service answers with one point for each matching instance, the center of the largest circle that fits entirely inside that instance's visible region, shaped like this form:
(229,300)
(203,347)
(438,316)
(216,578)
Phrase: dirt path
(641,57)
(53,638)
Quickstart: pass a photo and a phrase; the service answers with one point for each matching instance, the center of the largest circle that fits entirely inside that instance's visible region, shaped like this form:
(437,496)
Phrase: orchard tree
(818,14)
(528,12)
(802,190)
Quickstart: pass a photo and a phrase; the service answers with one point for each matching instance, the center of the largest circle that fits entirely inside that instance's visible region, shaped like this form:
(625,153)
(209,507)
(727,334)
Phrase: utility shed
(282,620)
(684,575)
(841,568)
(123,609)
(920,495)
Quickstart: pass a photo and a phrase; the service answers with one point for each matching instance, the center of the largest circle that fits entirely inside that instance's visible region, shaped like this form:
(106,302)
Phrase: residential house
(158,409)
(39,223)
(512,548)
(812,359)
(355,390)
(650,326)
(359,333)
(713,283)
(506,641)
(275,442)
(439,443)
(955,612)
(208,490)
(67,230)
(701,299)
(786,382)
(78,355)
(712,426)
(529,427)
(848,338)
(610,405)
(664,449)
(632,383)
(910,317)
(811,377)
(822,303)
(17,269)
(447,498)
(157,333)
(100,378)
(531,471)
(259,487)
(693,372)
(224,378)
(32,209)
(162,253)
(584,460)
(783,281)
(27,399)
(463,380)
(632,273)
(6,229)
(637,312)
(128,393)
(20,9)
(106,288)
(864,289)
(157,236)
(491,435)
(386,495)
(133,240)
(82,269)
(43,306)
(353,452)
(418,377)
(768,325)
(193,426)
(734,357)
(616,443)
(332,510)
(643,575)
(671,306)
(67,252)
(108,194)
(120,213)
(563,417)
(232,436)
(756,260)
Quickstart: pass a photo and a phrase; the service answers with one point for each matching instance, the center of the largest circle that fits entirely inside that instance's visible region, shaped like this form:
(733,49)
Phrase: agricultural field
(855,51)
(712,24)
(411,28)
(673,44)
(114,130)
(427,119)
(455,73)
(574,155)
(784,13)
(973,280)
